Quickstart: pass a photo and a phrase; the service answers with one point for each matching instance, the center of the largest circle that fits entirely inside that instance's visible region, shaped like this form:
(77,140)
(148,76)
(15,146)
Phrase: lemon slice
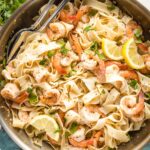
(131,55)
(48,124)
(111,50)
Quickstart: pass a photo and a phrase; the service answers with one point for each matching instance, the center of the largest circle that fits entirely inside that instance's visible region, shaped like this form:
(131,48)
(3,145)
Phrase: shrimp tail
(57,65)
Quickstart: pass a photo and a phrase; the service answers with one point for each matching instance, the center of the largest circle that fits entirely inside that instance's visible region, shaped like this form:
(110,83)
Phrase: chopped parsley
(64,50)
(100,55)
(87,28)
(33,99)
(71,73)
(44,62)
(138,41)
(2,83)
(111,7)
(67,134)
(7,7)
(138,32)
(138,35)
(61,42)
(57,131)
(133,84)
(73,128)
(94,47)
(50,54)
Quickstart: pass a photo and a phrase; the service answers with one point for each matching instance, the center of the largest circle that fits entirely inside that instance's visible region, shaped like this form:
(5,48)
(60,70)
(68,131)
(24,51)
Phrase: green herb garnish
(111,7)
(7,7)
(73,128)
(2,83)
(94,47)
(87,28)
(61,42)
(64,50)
(50,54)
(71,73)
(138,41)
(57,131)
(43,62)
(138,32)
(67,134)
(133,84)
(100,55)
(33,99)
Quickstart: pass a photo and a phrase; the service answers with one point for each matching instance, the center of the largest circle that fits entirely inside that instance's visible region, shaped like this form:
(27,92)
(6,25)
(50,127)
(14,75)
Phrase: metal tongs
(18,38)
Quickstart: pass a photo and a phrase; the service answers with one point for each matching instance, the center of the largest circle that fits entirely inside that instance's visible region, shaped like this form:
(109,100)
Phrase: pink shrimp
(57,65)
(56,30)
(119,64)
(146,70)
(130,106)
(130,27)
(100,71)
(22,97)
(50,97)
(129,74)
(82,11)
(88,142)
(143,48)
(75,44)
(95,108)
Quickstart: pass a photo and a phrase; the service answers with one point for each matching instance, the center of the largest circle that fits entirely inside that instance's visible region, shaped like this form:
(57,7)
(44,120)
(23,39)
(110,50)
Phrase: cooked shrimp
(75,44)
(57,64)
(10,91)
(58,30)
(129,74)
(50,97)
(64,16)
(87,62)
(147,61)
(82,11)
(143,48)
(119,64)
(100,71)
(74,18)
(70,57)
(95,108)
(22,97)
(130,106)
(68,15)
(23,116)
(138,117)
(88,142)
(130,27)
(61,115)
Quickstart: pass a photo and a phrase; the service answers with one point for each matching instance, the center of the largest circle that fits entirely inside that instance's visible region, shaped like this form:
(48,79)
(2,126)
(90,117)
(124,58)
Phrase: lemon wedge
(111,50)
(131,55)
(48,124)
